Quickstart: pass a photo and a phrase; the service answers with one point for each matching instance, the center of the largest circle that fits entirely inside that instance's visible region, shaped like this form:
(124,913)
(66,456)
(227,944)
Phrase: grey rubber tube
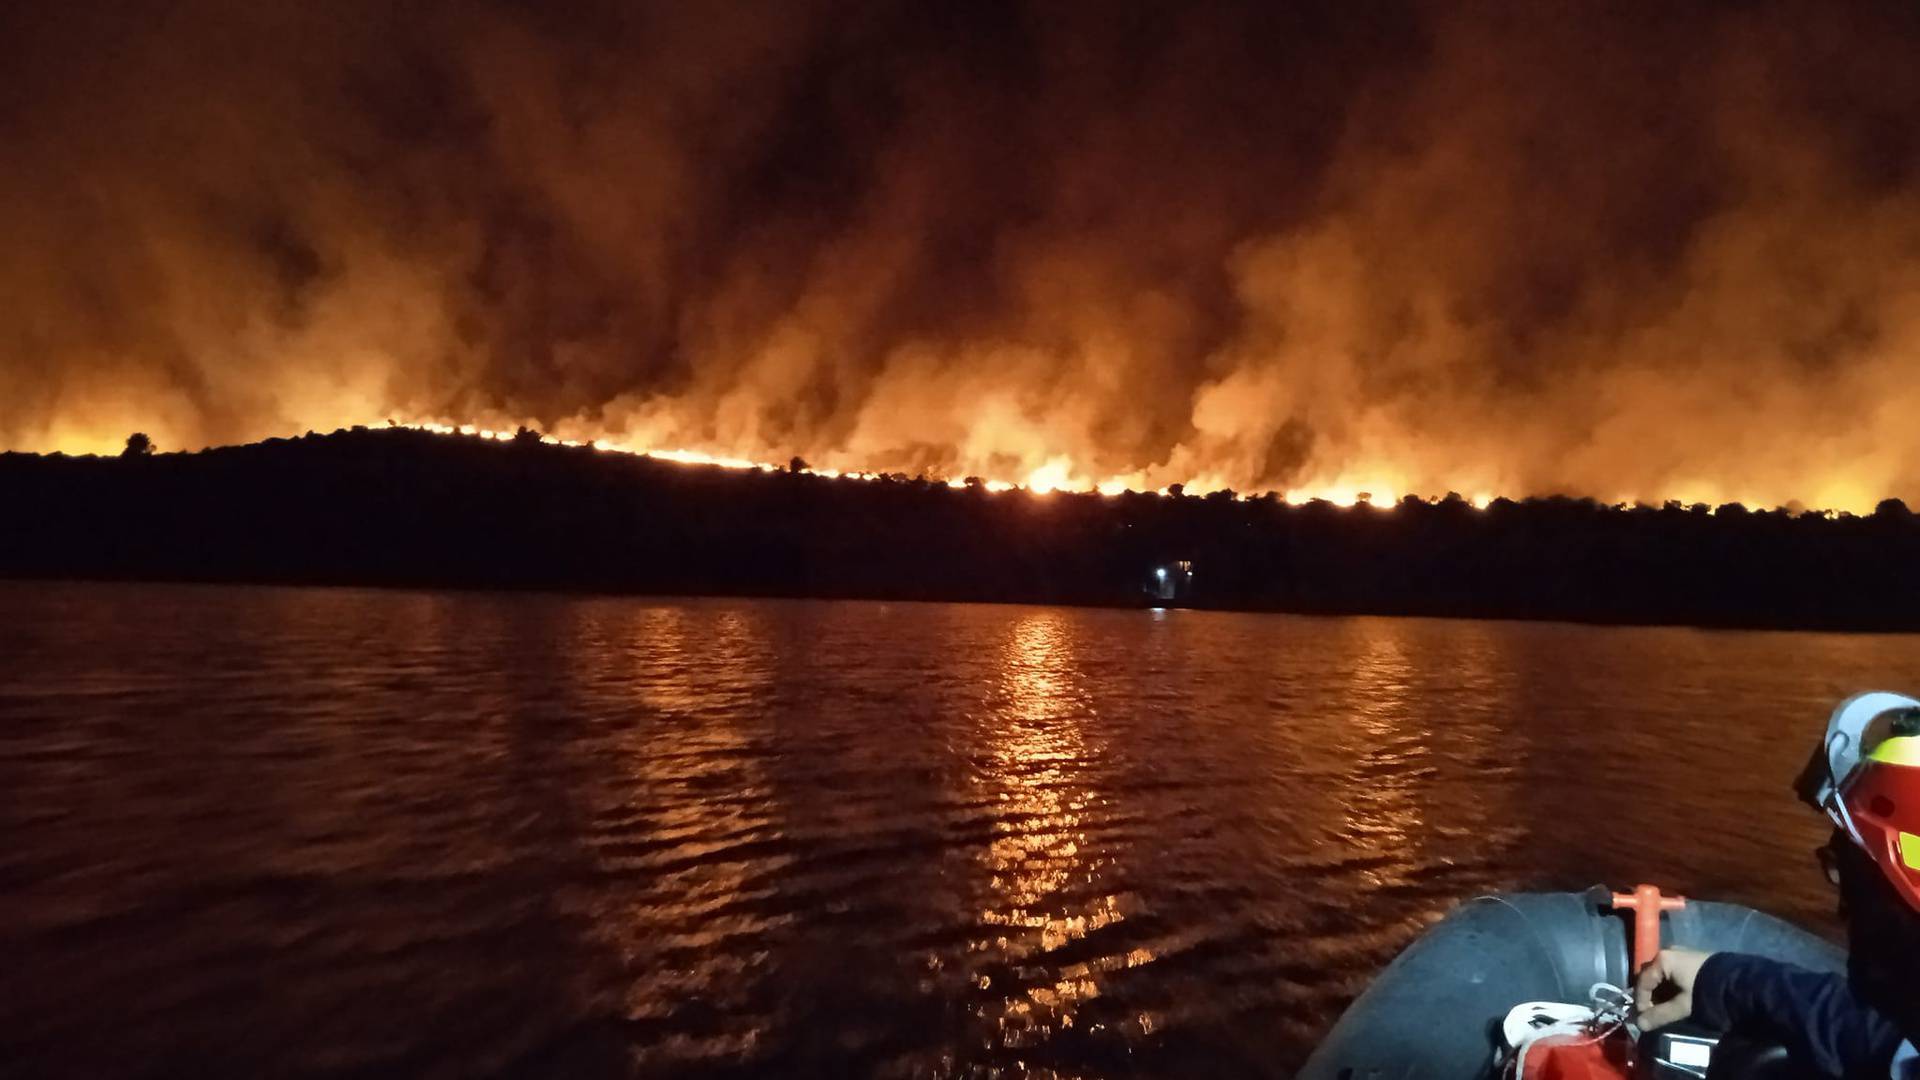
(1435,1010)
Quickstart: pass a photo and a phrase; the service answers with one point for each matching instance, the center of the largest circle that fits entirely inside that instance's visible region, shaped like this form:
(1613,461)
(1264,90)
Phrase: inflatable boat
(1448,1006)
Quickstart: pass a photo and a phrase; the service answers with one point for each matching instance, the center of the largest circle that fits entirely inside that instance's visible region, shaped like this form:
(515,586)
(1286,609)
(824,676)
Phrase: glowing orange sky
(1319,249)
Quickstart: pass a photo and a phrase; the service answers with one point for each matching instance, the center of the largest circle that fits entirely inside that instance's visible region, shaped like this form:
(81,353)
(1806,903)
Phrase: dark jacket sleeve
(1814,1015)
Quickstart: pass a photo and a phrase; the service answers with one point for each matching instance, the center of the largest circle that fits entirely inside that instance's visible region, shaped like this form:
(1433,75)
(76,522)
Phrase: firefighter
(1866,778)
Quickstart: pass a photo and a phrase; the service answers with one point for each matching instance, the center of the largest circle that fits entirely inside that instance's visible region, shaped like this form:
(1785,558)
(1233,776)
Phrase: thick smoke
(1640,252)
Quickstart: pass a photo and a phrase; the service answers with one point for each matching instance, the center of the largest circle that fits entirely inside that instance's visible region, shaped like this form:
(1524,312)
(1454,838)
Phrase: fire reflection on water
(478,834)
(1036,760)
(1383,814)
(1049,864)
(699,802)
(1420,800)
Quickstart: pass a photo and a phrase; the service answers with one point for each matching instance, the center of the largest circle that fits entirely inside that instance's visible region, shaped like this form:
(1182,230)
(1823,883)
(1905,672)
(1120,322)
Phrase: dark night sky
(1611,249)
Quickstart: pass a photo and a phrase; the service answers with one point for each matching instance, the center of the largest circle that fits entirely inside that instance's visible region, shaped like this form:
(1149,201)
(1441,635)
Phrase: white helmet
(1840,753)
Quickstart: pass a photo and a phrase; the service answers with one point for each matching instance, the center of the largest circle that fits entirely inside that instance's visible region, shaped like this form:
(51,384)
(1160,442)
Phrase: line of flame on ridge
(1054,476)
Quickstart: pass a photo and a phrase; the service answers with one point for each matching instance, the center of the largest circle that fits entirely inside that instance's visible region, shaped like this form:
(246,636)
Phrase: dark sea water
(276,832)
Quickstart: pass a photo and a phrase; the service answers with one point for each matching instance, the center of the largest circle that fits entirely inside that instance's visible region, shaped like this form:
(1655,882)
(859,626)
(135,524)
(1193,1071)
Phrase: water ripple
(313,832)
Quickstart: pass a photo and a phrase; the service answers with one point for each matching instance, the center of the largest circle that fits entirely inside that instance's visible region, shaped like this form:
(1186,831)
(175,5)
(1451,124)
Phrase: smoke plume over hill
(1627,251)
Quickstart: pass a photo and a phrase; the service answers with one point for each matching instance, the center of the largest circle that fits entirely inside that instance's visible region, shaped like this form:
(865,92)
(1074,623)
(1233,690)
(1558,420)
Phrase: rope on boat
(1610,1010)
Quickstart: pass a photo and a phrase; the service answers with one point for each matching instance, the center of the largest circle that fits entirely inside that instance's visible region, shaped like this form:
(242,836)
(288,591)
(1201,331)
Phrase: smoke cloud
(1627,251)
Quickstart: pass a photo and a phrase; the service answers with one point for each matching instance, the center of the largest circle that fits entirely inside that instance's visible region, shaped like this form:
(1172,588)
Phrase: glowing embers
(1043,469)
(694,457)
(1347,495)
(1381,489)
(1053,476)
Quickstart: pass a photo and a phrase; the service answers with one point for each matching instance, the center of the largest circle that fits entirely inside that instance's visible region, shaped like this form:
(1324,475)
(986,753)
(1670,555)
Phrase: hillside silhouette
(400,507)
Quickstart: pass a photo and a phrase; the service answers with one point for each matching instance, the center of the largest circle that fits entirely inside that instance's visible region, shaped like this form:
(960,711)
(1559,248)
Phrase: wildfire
(1344,495)
(1718,309)
(1057,474)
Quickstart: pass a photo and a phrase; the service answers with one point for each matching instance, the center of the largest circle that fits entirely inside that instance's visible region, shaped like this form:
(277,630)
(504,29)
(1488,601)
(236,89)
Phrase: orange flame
(1058,474)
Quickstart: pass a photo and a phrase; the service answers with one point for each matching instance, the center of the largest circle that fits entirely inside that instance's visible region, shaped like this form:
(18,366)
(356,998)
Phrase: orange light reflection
(1044,862)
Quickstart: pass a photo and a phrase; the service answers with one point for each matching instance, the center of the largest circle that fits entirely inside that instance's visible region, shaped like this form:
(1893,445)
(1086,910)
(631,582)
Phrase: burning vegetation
(1317,249)
(407,507)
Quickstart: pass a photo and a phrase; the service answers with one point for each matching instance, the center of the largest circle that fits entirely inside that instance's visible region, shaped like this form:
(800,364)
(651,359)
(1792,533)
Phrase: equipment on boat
(1437,1011)
(1564,957)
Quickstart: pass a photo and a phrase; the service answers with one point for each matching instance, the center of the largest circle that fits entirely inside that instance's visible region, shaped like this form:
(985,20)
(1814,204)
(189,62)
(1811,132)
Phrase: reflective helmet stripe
(1898,750)
(1910,850)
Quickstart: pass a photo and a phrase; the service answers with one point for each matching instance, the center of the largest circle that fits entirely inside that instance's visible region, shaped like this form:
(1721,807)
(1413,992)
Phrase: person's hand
(1673,970)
